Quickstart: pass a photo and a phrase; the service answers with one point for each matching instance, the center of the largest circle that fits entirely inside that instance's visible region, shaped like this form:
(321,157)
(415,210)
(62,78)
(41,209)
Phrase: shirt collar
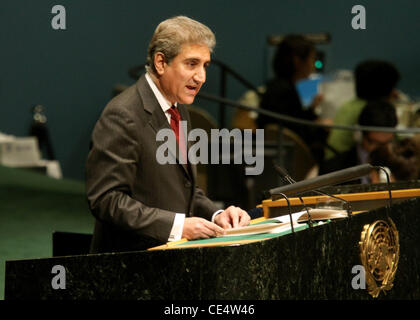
(163,102)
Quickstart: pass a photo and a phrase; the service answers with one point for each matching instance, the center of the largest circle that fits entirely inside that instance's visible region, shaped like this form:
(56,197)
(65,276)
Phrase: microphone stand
(290,180)
(290,210)
(389,189)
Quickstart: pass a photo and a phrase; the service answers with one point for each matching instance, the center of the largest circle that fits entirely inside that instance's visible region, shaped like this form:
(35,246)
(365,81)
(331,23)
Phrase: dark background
(72,72)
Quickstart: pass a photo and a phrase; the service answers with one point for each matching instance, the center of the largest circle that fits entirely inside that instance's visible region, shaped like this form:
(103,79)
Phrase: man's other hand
(232,217)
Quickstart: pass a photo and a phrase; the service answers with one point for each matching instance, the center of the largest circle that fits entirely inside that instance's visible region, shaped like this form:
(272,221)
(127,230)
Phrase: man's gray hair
(171,34)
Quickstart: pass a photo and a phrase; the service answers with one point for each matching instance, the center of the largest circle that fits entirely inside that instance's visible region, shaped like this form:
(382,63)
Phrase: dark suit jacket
(132,196)
(282,97)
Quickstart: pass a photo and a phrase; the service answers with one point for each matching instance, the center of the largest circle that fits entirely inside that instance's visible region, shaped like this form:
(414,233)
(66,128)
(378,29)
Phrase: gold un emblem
(379,252)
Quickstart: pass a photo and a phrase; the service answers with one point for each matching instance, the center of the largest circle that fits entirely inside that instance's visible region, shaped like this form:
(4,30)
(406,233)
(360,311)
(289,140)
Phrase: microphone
(324,180)
(283,173)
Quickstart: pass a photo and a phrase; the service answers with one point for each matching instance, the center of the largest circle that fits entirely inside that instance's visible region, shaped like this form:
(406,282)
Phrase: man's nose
(200,75)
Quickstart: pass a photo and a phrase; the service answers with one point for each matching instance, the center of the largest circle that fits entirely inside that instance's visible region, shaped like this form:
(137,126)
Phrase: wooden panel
(359,201)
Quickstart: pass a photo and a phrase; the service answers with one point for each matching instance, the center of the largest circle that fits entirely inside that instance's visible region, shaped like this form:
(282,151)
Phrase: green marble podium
(315,263)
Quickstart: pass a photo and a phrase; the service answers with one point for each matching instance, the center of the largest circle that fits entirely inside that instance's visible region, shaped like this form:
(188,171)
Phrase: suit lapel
(158,118)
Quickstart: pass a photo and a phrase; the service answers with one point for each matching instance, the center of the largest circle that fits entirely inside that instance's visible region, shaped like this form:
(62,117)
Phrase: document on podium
(282,223)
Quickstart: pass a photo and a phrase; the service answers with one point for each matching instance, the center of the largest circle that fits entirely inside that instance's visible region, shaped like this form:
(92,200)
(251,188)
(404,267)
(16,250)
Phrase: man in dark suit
(138,202)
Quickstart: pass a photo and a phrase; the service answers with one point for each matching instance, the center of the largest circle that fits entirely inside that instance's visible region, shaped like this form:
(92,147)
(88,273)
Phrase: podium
(315,263)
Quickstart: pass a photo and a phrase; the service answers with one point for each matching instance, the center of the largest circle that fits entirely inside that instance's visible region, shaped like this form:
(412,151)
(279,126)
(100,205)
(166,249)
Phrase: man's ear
(159,62)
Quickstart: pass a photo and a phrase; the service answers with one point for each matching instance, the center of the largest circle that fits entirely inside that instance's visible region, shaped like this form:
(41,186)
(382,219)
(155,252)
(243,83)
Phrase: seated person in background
(376,114)
(400,157)
(374,80)
(294,60)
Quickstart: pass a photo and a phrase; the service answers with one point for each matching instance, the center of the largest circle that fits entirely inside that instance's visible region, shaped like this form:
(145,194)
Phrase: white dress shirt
(176,231)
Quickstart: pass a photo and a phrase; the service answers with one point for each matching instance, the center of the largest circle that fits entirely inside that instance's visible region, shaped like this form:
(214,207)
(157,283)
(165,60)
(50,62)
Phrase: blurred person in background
(374,80)
(375,114)
(294,60)
(400,157)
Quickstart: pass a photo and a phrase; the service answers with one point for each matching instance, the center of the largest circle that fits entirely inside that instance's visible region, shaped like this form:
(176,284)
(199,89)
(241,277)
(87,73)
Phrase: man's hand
(232,217)
(199,228)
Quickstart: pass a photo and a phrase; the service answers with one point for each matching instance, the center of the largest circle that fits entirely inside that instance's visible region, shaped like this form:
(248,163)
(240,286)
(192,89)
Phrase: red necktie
(175,124)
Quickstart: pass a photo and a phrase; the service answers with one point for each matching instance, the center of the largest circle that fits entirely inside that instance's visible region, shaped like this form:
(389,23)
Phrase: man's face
(373,139)
(182,78)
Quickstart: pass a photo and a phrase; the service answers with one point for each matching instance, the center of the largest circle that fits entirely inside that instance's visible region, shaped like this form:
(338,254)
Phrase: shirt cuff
(176,231)
(215,214)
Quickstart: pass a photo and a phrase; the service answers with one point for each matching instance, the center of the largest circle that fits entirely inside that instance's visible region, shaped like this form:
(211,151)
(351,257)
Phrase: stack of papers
(282,223)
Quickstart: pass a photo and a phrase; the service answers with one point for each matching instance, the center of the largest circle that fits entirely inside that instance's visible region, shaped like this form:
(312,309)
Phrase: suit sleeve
(110,172)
